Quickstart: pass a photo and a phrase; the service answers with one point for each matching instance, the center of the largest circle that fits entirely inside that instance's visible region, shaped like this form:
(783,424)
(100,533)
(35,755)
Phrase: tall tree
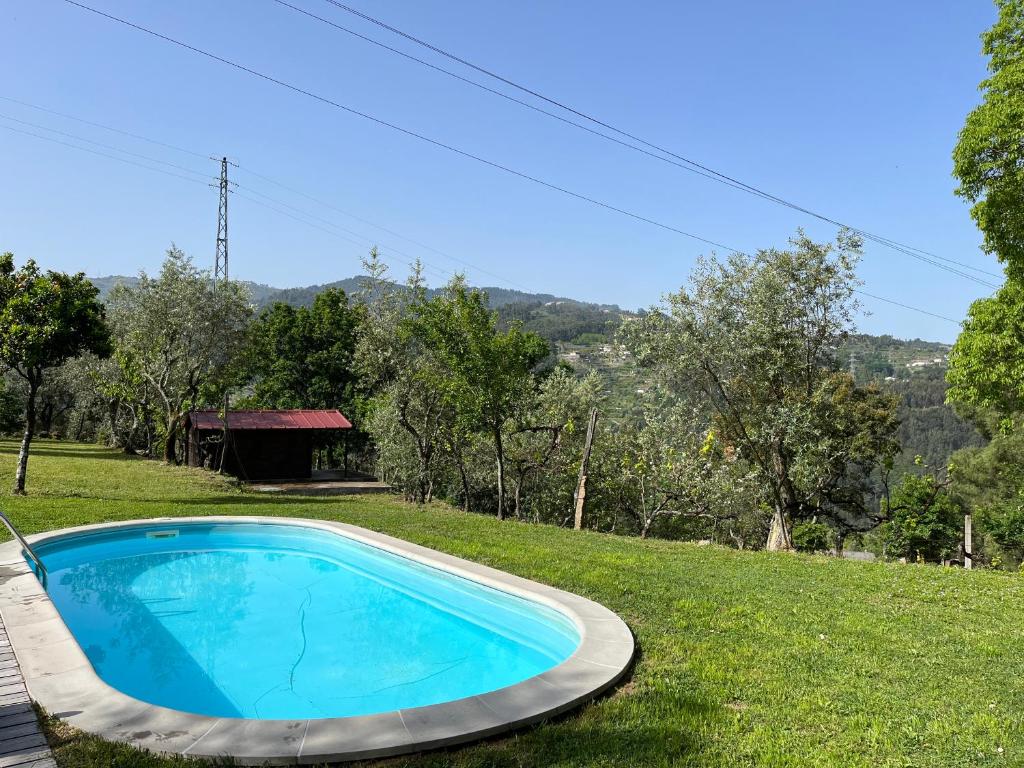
(488,373)
(45,320)
(753,338)
(304,358)
(180,333)
(989,156)
(986,364)
(407,410)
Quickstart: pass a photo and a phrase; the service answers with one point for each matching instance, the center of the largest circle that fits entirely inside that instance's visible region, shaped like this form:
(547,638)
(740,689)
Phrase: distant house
(261,445)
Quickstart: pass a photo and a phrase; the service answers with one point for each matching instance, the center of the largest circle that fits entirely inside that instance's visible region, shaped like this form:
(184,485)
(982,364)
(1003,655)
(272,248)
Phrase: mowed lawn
(745,658)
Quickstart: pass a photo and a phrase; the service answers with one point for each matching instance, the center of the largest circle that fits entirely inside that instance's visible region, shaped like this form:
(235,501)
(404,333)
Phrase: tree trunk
(171,443)
(779,537)
(26,439)
(112,408)
(46,417)
(499,454)
(425,483)
(465,481)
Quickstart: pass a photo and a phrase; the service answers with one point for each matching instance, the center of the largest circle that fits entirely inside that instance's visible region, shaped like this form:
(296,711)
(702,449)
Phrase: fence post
(581,484)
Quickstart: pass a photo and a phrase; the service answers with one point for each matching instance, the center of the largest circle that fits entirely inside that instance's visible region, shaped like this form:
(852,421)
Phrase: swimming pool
(293,641)
(278,621)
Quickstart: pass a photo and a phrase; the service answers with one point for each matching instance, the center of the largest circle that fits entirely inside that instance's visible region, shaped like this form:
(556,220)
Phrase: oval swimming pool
(266,621)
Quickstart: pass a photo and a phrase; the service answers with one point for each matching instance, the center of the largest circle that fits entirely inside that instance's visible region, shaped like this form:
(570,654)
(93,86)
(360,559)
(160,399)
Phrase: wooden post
(581,485)
(968,547)
(225,438)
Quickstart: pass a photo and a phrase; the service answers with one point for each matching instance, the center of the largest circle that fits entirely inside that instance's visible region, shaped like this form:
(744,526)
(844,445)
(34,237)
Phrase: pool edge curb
(60,678)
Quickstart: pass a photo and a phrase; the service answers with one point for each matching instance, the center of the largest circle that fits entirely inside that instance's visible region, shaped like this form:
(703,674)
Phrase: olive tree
(753,338)
(178,333)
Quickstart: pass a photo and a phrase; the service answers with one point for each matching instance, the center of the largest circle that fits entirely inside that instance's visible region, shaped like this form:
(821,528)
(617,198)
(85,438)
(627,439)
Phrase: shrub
(813,537)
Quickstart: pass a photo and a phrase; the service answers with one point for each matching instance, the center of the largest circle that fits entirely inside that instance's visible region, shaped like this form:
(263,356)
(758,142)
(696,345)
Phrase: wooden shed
(261,445)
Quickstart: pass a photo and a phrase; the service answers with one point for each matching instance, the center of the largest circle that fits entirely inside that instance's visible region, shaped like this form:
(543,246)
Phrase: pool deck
(61,679)
(22,743)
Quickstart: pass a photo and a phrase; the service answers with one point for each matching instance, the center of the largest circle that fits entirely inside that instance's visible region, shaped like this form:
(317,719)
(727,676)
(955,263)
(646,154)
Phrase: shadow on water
(125,637)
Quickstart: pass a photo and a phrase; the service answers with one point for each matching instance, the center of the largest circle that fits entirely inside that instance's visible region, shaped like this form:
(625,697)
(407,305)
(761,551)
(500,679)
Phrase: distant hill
(265,295)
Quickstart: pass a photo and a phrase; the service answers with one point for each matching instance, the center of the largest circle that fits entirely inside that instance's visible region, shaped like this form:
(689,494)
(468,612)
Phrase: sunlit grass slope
(745,658)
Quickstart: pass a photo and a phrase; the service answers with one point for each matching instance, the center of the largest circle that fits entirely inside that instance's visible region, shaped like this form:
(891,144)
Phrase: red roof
(295,419)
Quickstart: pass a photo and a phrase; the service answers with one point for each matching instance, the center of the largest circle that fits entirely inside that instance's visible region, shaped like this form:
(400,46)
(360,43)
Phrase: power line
(382,228)
(435,269)
(329,223)
(329,230)
(104,146)
(102,154)
(500,94)
(248,170)
(907,306)
(106,127)
(235,186)
(406,131)
(666,155)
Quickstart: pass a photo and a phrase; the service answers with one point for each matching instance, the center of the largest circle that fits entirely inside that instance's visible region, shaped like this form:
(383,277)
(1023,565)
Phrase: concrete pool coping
(61,679)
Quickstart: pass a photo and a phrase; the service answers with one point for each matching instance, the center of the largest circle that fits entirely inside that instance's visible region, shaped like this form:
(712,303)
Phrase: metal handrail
(41,569)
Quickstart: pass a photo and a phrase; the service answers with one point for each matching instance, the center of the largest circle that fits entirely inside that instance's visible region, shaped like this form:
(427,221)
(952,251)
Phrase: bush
(813,537)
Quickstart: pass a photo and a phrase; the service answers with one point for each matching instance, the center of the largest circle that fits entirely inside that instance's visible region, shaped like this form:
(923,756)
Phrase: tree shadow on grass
(192,503)
(73,453)
(611,730)
(587,738)
(69,450)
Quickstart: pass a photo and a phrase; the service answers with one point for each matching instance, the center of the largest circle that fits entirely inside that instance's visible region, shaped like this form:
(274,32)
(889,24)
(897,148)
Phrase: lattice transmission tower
(220,264)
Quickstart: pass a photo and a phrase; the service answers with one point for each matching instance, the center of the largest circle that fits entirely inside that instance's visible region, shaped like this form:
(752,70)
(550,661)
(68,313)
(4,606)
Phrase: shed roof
(291,419)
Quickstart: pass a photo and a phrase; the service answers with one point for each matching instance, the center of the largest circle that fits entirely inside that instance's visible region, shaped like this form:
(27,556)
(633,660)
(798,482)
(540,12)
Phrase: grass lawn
(745,658)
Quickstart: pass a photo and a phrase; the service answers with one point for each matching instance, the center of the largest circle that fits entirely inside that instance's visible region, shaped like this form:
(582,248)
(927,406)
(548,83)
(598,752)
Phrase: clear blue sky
(848,108)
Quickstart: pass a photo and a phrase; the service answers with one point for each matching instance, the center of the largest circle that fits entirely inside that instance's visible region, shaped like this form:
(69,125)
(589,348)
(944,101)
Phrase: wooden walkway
(22,743)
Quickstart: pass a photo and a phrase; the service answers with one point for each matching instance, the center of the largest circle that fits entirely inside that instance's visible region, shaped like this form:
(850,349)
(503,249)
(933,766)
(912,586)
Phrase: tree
(924,521)
(540,446)
(10,407)
(676,476)
(986,364)
(304,357)
(180,333)
(813,536)
(989,156)
(407,412)
(990,482)
(45,320)
(487,374)
(753,337)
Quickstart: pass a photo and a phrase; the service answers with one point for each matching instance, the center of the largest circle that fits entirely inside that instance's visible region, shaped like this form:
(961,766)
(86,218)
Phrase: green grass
(746,659)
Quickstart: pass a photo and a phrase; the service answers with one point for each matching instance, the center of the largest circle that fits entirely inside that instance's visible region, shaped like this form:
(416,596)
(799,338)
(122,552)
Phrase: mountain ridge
(263,295)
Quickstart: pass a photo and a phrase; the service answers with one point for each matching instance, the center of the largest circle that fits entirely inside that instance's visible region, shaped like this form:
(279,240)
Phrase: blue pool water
(280,621)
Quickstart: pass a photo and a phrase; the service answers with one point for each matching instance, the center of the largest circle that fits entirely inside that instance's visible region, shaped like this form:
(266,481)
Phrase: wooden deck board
(22,743)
